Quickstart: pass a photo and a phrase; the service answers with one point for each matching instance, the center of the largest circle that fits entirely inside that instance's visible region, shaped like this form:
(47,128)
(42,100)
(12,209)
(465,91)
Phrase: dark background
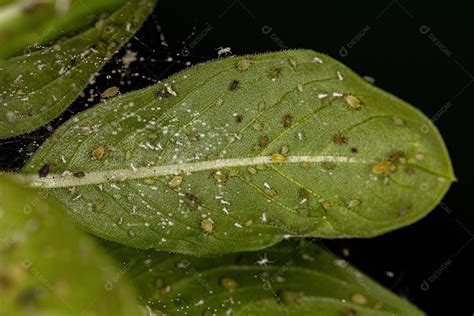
(422,52)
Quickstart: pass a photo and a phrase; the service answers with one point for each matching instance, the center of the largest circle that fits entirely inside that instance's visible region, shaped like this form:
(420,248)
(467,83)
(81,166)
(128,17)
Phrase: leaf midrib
(133,173)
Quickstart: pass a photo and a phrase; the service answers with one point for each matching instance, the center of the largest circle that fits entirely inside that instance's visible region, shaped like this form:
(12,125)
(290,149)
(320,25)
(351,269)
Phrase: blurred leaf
(37,85)
(239,153)
(49,267)
(27,25)
(288,279)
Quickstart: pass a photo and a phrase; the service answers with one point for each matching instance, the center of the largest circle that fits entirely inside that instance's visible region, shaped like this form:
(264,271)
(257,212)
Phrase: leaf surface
(239,153)
(288,279)
(49,267)
(41,82)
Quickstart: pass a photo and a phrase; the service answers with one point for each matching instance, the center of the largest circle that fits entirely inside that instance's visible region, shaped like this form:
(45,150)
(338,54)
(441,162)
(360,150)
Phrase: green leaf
(49,267)
(288,279)
(27,25)
(38,85)
(236,154)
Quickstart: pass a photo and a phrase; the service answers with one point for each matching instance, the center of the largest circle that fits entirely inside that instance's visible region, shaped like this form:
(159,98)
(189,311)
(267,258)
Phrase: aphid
(353,102)
(131,233)
(109,92)
(219,102)
(303,211)
(349,312)
(175,181)
(290,297)
(383,167)
(397,157)
(207,225)
(278,157)
(192,201)
(220,177)
(329,165)
(239,118)
(327,205)
(98,153)
(354,150)
(258,126)
(358,298)
(339,139)
(79,174)
(43,172)
(286,120)
(263,140)
(252,170)
(292,61)
(234,85)
(193,136)
(303,194)
(229,283)
(243,64)
(275,72)
(223,51)
(300,87)
(284,149)
(398,121)
(98,205)
(353,204)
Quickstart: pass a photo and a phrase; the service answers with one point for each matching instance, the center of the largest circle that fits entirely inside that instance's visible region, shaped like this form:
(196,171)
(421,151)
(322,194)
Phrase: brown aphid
(329,165)
(354,150)
(383,167)
(327,205)
(98,205)
(192,201)
(234,85)
(207,225)
(263,140)
(410,171)
(193,136)
(339,139)
(349,312)
(238,118)
(79,174)
(286,120)
(98,153)
(303,194)
(275,72)
(397,157)
(378,306)
(44,171)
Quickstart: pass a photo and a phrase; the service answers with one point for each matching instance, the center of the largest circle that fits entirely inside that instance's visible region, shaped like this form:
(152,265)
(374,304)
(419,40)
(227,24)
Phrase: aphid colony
(383,167)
